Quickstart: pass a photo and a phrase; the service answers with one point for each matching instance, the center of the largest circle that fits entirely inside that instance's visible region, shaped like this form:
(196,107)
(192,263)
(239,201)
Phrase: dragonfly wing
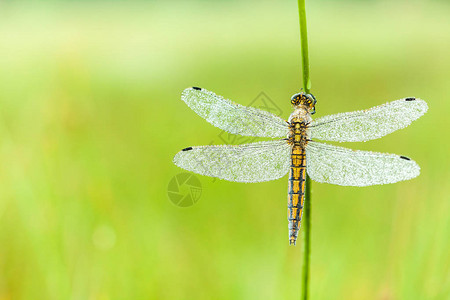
(365,125)
(256,162)
(232,117)
(343,166)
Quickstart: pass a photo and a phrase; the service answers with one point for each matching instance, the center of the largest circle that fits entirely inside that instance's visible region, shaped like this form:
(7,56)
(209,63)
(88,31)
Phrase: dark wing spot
(410,99)
(404,157)
(187,149)
(196,88)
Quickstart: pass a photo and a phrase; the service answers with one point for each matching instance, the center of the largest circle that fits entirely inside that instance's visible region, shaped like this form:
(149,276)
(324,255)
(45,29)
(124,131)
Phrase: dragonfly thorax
(298,127)
(300,114)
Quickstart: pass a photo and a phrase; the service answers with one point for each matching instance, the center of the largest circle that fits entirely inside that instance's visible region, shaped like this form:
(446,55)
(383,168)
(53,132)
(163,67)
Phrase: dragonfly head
(308,101)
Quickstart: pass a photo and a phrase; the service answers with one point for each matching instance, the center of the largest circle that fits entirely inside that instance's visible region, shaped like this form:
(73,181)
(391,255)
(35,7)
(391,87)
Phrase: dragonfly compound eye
(298,99)
(311,98)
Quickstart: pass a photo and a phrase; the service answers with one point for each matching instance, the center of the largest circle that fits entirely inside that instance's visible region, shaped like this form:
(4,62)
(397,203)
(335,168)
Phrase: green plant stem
(306,239)
(304,45)
(307,204)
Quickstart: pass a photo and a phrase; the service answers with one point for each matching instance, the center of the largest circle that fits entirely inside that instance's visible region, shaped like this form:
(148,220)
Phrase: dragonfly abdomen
(296,191)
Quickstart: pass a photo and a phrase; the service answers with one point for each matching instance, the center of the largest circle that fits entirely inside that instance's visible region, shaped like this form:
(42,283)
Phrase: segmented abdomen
(296,191)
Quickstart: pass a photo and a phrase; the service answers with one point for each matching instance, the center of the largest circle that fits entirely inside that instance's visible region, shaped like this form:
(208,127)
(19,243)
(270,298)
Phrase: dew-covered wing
(232,117)
(373,123)
(256,162)
(343,166)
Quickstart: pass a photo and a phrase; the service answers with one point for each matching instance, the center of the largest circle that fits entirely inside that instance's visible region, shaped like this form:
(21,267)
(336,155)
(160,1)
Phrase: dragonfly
(296,150)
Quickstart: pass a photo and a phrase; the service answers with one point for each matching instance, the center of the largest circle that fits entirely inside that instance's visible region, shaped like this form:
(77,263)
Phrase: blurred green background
(91,116)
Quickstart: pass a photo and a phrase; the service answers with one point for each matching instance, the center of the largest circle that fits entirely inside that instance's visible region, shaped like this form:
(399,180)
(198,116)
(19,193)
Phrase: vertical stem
(307,205)
(304,43)
(306,239)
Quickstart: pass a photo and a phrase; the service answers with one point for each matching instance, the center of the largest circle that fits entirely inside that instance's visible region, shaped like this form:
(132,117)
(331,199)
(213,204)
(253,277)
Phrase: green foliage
(91,116)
